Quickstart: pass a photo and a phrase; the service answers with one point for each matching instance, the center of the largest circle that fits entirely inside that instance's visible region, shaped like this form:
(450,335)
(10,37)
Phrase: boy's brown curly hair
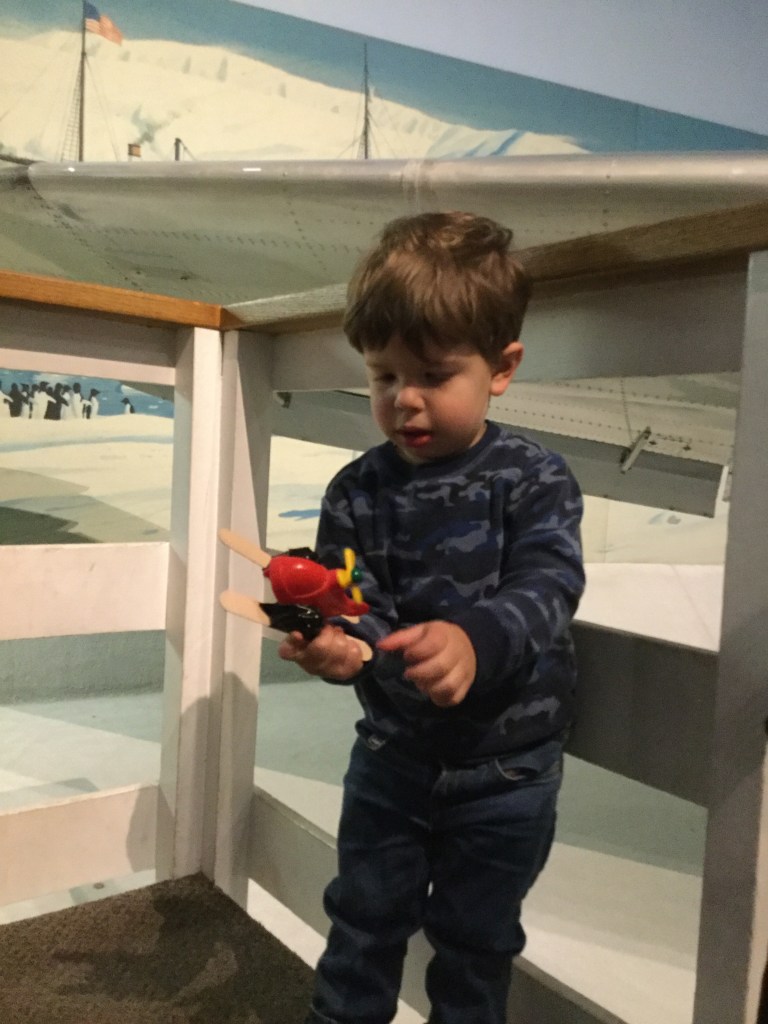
(445,278)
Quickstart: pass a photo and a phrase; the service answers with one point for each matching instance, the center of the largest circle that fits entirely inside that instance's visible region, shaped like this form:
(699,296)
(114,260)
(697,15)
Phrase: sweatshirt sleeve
(542,575)
(339,529)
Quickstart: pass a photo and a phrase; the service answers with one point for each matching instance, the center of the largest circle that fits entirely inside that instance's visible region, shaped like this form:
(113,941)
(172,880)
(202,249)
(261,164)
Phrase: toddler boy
(468,538)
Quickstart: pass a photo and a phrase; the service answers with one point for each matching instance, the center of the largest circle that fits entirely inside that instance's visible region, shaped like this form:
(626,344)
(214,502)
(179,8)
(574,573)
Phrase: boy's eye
(433,378)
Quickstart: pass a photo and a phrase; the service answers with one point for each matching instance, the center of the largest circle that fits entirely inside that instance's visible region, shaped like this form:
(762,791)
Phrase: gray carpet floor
(177,952)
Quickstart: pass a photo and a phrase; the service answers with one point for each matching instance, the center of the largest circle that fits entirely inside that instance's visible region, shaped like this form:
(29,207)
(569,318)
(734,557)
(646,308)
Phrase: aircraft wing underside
(225,233)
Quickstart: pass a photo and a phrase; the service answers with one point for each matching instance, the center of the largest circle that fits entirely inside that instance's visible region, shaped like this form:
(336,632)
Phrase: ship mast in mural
(364,150)
(92,21)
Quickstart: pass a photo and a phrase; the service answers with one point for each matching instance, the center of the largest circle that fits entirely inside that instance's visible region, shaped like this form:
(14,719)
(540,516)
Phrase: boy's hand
(440,657)
(332,654)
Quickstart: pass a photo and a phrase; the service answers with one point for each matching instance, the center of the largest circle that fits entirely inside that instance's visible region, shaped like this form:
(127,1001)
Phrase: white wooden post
(248,402)
(734,915)
(185,767)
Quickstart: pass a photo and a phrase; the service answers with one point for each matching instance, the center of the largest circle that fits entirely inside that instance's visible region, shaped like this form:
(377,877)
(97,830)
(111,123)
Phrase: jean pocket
(529,768)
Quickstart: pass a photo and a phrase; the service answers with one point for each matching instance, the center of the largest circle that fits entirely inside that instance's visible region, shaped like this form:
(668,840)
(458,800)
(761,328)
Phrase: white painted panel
(77,841)
(73,589)
(688,324)
(85,344)
(654,327)
(84,366)
(291,857)
(316,361)
(644,710)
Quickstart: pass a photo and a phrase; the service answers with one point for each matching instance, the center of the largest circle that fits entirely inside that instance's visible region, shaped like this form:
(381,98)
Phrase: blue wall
(704,58)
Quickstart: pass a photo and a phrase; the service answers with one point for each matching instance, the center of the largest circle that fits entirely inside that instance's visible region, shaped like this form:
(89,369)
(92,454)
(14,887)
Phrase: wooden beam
(698,238)
(97,298)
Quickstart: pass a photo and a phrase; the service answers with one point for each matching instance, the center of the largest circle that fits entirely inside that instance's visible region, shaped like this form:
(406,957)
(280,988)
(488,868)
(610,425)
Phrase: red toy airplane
(307,593)
(302,581)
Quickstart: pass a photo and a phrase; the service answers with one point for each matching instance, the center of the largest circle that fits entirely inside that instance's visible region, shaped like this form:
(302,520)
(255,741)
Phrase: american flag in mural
(101,24)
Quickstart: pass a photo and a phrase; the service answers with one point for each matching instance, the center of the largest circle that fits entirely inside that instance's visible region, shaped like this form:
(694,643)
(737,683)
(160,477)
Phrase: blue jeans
(451,849)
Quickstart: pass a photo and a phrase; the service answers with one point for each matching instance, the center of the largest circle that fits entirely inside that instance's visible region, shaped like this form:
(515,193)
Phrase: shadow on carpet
(178,952)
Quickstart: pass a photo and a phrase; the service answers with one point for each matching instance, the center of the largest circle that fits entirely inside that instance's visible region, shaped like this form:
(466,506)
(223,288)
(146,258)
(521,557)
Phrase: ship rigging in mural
(364,147)
(92,21)
(73,147)
(88,94)
(164,99)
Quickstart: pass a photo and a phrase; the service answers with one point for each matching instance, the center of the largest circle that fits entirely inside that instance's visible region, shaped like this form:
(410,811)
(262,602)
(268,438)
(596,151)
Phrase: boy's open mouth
(413,438)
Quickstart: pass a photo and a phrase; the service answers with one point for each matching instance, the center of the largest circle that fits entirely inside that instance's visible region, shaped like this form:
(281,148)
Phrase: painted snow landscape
(221,105)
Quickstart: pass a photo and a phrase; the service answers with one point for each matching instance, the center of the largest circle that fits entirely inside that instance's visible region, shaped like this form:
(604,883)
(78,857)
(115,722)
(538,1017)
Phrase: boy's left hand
(440,657)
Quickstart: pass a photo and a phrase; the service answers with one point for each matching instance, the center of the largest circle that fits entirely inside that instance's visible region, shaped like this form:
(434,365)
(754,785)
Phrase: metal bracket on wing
(631,455)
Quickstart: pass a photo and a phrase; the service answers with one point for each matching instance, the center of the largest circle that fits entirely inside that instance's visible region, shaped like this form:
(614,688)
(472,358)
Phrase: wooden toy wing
(246,548)
(244,606)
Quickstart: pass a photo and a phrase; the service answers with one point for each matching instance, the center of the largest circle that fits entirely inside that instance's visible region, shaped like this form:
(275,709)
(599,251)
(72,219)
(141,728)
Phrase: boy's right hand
(440,659)
(331,655)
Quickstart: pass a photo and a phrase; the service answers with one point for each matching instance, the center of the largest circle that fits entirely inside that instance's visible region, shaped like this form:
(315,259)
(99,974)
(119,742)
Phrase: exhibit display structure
(683,720)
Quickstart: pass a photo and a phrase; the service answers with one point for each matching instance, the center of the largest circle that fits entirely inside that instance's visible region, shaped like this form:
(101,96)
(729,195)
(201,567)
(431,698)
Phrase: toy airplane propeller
(350,576)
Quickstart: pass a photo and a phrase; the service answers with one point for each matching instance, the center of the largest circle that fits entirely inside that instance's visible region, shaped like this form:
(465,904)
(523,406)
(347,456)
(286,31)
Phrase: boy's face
(434,406)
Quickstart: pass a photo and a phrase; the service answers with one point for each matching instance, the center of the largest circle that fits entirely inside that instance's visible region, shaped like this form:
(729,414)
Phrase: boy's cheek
(380,412)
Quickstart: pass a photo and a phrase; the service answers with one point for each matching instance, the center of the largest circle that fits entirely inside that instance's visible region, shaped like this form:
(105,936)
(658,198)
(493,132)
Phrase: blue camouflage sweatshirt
(489,540)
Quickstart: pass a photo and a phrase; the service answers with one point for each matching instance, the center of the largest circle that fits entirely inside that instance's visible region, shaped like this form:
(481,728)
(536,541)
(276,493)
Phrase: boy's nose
(408,397)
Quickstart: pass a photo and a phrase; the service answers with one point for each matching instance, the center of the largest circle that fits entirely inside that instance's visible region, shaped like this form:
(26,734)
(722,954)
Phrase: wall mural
(217,80)
(82,459)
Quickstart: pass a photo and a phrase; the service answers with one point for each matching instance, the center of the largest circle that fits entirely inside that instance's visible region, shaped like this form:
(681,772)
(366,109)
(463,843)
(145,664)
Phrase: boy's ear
(506,367)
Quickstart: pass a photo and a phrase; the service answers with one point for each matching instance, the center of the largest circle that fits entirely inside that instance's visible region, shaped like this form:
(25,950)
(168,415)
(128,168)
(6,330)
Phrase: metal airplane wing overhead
(226,232)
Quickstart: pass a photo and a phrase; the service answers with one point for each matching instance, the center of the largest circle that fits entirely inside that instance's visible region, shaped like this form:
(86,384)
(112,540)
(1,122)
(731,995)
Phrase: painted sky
(442,87)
